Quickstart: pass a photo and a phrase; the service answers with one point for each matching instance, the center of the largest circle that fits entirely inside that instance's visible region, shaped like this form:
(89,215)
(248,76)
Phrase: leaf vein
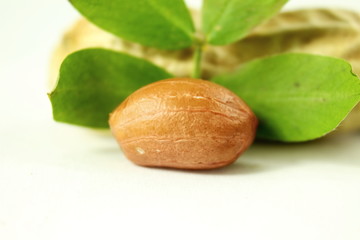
(168,17)
(217,19)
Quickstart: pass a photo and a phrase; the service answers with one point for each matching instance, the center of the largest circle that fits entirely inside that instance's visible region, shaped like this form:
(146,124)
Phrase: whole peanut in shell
(183,123)
(331,32)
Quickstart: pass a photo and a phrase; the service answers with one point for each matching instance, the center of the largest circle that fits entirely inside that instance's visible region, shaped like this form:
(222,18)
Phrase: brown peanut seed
(183,123)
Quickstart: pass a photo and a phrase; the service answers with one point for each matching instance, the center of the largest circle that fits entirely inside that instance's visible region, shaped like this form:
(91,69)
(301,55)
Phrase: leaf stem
(196,73)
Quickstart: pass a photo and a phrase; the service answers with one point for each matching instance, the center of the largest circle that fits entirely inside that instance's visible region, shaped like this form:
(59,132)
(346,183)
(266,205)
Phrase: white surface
(62,182)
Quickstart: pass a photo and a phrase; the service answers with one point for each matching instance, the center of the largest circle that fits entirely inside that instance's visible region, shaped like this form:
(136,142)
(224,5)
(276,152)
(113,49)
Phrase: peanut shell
(330,32)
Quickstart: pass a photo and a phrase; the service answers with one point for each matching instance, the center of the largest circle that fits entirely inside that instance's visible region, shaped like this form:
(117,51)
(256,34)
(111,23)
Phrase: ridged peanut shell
(183,123)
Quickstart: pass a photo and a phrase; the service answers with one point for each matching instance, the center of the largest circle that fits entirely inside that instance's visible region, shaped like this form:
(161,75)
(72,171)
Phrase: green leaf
(297,97)
(162,24)
(226,21)
(93,82)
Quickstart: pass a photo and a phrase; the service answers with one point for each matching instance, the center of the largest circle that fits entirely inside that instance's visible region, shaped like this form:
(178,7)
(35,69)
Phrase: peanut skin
(183,123)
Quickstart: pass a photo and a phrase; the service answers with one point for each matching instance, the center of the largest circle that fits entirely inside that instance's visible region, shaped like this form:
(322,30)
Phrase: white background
(63,182)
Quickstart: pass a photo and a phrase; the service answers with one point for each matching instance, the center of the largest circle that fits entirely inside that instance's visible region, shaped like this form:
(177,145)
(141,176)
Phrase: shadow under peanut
(340,149)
